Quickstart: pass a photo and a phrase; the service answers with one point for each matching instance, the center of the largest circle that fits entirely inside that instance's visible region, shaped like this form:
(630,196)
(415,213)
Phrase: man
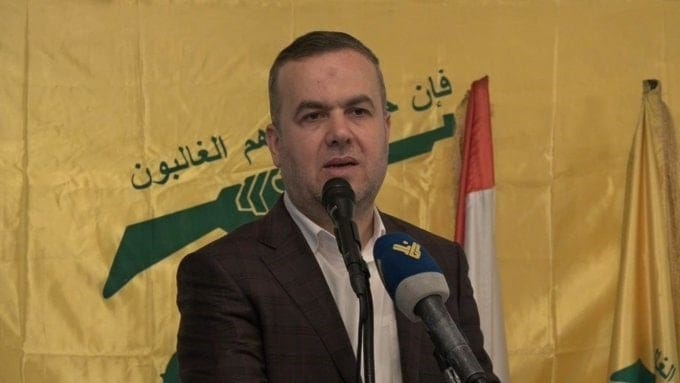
(271,301)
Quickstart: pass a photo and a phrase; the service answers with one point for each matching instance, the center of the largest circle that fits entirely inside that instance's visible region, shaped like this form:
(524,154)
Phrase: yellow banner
(130,135)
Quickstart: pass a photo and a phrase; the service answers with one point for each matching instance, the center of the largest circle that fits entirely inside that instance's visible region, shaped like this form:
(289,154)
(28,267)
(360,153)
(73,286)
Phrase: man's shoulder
(253,239)
(246,233)
(262,231)
(241,245)
(236,247)
(426,238)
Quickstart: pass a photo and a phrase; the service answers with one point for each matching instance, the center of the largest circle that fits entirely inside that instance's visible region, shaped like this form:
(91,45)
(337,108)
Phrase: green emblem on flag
(635,373)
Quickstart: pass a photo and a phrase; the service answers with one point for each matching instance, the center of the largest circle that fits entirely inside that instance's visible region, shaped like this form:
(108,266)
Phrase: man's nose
(339,130)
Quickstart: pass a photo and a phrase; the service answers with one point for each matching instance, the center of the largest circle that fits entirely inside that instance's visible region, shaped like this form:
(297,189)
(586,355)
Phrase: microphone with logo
(416,284)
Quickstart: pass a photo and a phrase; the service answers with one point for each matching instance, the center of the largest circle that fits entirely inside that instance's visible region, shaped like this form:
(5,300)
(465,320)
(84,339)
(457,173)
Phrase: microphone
(338,199)
(416,284)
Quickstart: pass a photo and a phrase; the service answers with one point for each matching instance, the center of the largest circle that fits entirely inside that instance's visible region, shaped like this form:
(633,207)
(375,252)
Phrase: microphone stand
(449,375)
(347,237)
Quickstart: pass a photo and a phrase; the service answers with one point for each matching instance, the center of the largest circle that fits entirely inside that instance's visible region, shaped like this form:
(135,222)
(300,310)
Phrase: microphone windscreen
(337,198)
(408,272)
(334,189)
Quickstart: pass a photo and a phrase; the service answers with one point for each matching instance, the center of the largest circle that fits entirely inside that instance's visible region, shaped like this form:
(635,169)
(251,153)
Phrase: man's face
(332,123)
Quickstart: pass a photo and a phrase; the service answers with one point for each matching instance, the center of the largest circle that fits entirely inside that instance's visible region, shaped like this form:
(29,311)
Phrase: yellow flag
(644,347)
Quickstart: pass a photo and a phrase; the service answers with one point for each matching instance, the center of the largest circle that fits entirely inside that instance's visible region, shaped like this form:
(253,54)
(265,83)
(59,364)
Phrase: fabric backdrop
(131,134)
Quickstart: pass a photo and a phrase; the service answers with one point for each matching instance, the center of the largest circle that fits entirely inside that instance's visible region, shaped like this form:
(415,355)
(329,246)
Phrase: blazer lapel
(409,348)
(293,264)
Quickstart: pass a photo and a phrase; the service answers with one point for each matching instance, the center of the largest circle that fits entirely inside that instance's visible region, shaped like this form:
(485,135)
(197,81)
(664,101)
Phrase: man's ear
(273,142)
(388,124)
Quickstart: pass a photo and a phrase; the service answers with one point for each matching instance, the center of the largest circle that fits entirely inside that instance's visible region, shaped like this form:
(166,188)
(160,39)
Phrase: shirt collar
(315,234)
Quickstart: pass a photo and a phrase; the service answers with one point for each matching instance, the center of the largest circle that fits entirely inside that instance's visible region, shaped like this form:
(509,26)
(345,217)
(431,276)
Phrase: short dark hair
(316,43)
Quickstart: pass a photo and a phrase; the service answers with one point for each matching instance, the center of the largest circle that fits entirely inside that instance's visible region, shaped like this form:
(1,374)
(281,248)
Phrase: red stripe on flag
(477,168)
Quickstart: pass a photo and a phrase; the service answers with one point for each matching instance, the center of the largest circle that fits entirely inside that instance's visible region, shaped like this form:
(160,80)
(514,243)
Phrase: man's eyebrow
(308,104)
(317,105)
(356,100)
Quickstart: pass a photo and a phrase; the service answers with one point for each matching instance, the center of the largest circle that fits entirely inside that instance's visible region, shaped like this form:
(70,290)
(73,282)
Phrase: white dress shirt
(325,249)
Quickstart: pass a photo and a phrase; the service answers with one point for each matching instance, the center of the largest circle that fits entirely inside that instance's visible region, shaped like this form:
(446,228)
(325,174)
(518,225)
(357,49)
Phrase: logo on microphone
(409,249)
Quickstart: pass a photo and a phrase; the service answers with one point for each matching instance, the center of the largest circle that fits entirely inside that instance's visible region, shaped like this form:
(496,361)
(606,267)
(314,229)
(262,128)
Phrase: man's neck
(363,218)
(364,222)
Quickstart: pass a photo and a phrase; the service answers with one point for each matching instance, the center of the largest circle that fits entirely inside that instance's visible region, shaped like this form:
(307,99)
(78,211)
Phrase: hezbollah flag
(475,222)
(644,347)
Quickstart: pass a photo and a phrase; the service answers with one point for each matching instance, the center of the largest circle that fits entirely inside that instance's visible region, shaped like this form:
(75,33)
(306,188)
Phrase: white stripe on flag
(481,255)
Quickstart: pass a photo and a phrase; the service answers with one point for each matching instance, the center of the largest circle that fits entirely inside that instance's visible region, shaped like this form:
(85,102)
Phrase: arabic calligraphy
(660,366)
(411,250)
(421,102)
(201,156)
(251,145)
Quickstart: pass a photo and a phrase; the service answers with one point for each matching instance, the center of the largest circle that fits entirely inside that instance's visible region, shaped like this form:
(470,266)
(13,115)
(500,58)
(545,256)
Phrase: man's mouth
(340,162)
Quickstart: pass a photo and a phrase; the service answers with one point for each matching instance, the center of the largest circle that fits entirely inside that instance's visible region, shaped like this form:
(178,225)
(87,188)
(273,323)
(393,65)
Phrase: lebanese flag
(475,222)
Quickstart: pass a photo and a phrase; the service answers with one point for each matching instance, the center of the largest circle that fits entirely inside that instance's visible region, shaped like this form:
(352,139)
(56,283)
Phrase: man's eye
(359,112)
(312,116)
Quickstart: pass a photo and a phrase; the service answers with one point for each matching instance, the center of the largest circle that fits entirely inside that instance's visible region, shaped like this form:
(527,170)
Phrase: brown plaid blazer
(255,307)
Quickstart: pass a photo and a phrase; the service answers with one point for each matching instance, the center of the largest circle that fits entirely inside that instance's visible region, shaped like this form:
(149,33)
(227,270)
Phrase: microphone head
(408,272)
(337,198)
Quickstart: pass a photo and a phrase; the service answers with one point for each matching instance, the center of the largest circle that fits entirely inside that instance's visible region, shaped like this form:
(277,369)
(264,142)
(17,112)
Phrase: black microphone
(418,287)
(338,199)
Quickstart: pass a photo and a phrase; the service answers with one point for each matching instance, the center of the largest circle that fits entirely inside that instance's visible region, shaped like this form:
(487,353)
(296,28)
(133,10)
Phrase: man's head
(329,120)
(312,44)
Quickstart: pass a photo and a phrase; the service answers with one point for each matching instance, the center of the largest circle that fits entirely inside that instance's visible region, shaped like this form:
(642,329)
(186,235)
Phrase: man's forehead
(329,62)
(341,78)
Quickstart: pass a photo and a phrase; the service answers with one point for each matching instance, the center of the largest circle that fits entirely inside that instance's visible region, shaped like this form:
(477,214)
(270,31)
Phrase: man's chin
(349,173)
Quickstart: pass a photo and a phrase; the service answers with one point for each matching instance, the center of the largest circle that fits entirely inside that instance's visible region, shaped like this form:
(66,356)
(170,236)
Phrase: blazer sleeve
(219,338)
